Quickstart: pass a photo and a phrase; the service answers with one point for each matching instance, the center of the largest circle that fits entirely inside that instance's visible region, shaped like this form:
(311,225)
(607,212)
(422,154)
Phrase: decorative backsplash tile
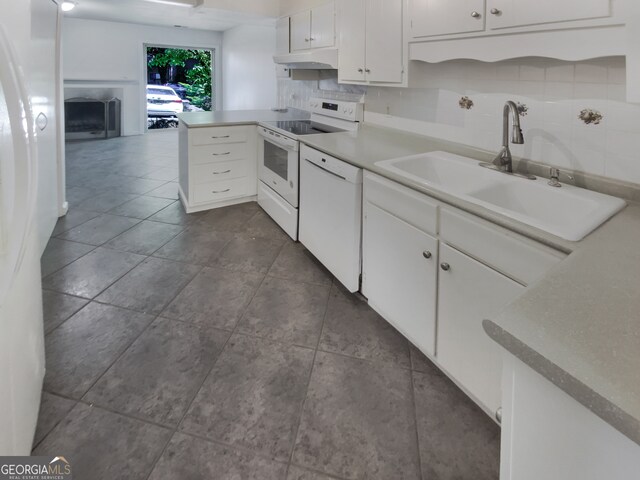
(552,95)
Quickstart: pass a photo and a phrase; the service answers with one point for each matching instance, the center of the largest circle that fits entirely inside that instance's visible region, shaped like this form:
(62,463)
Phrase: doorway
(178,79)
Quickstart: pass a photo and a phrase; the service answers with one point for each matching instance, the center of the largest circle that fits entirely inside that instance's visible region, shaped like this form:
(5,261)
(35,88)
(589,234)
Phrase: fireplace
(89,118)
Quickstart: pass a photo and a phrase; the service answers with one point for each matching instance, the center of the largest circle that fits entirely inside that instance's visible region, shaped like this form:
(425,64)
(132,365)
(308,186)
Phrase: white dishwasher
(331,214)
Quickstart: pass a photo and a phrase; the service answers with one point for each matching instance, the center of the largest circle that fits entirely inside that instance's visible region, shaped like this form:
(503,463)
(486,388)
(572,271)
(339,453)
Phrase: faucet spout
(504,160)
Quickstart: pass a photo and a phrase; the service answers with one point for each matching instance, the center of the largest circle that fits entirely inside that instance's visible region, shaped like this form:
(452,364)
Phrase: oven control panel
(352,111)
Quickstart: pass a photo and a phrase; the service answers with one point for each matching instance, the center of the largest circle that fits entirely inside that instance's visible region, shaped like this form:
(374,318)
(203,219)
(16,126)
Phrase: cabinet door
(469,292)
(519,13)
(398,278)
(323,26)
(384,62)
(444,17)
(351,21)
(301,31)
(282,36)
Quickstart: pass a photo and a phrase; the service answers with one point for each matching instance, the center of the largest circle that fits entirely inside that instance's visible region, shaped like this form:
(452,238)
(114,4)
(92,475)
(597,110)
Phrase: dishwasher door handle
(325,170)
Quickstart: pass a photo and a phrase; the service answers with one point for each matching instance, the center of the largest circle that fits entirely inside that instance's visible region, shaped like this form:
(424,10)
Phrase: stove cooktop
(304,127)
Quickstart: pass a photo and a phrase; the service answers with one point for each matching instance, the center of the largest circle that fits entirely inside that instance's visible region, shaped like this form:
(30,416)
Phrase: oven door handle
(325,170)
(292,147)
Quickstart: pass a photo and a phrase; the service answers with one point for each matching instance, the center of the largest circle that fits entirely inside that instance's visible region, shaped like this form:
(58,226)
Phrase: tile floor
(210,346)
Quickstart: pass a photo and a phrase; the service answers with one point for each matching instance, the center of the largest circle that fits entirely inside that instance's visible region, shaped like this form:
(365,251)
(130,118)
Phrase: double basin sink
(569,212)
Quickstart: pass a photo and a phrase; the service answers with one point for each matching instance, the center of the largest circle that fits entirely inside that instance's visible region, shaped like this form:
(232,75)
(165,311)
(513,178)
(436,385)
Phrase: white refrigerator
(27,214)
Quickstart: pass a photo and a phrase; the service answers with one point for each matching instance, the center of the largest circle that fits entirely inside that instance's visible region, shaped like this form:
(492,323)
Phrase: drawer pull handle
(221,191)
(221,154)
(475,15)
(426,254)
(496,11)
(220,173)
(222,136)
(445,266)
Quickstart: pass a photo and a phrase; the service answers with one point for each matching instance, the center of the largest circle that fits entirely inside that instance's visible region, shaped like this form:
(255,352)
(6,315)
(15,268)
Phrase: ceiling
(198,14)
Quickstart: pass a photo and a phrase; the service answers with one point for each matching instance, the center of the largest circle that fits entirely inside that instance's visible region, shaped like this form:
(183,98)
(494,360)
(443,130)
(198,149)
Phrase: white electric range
(278,156)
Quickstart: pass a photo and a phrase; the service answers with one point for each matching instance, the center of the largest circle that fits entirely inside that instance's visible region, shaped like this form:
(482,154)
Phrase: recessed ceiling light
(175,3)
(68,6)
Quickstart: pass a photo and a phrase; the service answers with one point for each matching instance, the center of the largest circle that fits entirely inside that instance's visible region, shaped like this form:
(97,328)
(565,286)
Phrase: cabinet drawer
(514,255)
(218,135)
(218,153)
(402,202)
(209,172)
(214,191)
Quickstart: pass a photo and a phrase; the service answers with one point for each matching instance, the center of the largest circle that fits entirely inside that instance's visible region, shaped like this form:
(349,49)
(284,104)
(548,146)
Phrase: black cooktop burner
(305,127)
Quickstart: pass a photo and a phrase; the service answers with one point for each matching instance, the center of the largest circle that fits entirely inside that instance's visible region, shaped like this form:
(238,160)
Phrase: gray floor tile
(140,186)
(176,215)
(142,207)
(104,446)
(158,376)
(457,439)
(100,229)
(167,190)
(253,396)
(245,253)
(216,298)
(261,225)
(230,219)
(195,459)
(57,307)
(195,246)
(86,345)
(358,421)
(72,219)
(296,263)
(105,201)
(93,273)
(150,286)
(297,473)
(77,195)
(352,328)
(60,253)
(421,363)
(52,409)
(286,311)
(166,174)
(145,238)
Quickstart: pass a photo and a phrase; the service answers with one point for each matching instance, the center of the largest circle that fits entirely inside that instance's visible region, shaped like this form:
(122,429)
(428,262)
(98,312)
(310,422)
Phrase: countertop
(239,117)
(579,325)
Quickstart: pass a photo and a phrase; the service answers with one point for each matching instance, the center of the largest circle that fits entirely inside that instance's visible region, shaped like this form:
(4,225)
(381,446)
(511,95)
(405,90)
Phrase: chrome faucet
(504,162)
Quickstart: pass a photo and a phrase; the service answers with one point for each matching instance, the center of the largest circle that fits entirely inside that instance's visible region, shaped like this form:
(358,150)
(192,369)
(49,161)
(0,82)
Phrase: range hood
(317,59)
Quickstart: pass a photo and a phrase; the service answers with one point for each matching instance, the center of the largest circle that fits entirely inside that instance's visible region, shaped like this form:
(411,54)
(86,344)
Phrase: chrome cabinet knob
(427,254)
(475,14)
(367,70)
(496,11)
(306,39)
(445,266)
(499,415)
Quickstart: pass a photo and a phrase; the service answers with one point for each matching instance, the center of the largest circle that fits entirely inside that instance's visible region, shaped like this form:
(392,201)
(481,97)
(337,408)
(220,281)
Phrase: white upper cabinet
(521,13)
(282,36)
(323,26)
(301,31)
(313,28)
(443,17)
(371,41)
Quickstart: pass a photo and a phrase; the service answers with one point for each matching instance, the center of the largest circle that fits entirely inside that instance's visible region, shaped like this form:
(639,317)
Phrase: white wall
(111,54)
(554,92)
(249,78)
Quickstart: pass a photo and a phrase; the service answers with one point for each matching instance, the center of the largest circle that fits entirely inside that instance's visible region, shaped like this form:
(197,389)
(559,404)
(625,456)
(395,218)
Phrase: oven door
(278,164)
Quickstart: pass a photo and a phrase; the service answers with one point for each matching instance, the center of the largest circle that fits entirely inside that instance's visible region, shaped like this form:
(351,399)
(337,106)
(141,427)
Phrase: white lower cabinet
(400,275)
(468,293)
(435,273)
